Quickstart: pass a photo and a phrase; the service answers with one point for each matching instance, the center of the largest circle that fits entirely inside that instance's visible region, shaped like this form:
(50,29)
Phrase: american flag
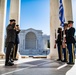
(61,13)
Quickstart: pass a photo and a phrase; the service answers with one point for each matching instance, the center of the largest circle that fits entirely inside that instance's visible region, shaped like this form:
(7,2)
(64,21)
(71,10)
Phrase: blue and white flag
(61,13)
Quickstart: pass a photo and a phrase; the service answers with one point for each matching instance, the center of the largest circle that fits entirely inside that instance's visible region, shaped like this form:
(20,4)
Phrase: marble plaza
(30,66)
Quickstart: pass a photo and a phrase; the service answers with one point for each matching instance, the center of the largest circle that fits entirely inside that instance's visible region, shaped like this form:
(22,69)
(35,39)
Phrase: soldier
(10,40)
(64,42)
(70,42)
(16,42)
(59,43)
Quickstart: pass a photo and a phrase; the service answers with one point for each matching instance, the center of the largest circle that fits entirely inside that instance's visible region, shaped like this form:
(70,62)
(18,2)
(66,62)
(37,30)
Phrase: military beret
(65,24)
(12,20)
(70,22)
(17,25)
(59,28)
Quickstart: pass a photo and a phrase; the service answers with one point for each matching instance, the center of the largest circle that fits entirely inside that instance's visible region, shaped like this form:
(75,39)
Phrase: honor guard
(64,47)
(70,42)
(59,44)
(16,42)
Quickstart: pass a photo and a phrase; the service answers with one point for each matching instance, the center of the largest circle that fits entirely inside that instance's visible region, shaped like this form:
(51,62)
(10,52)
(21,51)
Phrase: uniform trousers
(71,51)
(9,48)
(59,51)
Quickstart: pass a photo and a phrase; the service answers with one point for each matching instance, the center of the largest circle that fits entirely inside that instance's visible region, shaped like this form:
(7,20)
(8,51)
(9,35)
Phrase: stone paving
(30,66)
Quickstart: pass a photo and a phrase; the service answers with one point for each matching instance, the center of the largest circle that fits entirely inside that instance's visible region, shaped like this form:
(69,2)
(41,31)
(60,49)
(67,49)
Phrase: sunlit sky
(36,14)
(74,12)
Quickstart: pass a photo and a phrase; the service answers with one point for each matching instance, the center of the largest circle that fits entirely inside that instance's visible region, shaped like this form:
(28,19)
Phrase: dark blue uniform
(16,45)
(70,44)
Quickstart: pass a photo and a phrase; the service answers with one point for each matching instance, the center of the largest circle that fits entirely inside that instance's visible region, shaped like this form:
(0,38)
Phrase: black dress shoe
(64,61)
(70,63)
(15,59)
(9,64)
(58,60)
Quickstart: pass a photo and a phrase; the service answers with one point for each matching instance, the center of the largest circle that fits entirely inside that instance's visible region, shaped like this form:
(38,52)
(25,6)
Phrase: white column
(2,25)
(54,24)
(15,10)
(68,9)
(15,13)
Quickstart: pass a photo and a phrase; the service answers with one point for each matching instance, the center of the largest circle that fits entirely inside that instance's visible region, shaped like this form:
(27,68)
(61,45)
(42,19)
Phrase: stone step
(34,52)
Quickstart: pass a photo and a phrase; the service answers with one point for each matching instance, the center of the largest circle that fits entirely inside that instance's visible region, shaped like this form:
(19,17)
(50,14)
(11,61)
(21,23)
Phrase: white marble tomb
(33,42)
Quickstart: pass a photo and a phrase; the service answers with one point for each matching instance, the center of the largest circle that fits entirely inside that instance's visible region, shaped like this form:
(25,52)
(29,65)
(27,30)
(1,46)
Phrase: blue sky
(74,12)
(36,14)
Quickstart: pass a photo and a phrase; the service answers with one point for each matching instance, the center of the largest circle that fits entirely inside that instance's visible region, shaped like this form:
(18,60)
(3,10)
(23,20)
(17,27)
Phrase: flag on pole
(61,13)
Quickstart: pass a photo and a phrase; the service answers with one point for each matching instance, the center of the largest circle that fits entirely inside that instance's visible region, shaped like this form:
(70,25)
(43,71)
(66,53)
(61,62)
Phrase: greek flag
(61,13)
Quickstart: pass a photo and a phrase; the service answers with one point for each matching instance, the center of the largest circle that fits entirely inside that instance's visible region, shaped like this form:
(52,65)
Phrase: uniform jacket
(70,35)
(59,39)
(17,37)
(11,34)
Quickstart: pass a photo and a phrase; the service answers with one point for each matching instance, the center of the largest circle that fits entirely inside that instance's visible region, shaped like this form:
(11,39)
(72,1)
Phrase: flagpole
(62,20)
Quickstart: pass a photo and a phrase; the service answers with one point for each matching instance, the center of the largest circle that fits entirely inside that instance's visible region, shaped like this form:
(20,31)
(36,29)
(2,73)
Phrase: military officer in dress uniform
(70,42)
(64,47)
(16,42)
(10,40)
(59,44)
